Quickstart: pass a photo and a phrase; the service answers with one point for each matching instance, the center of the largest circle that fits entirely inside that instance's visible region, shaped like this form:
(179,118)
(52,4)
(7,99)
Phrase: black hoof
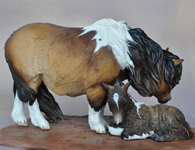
(124,135)
(155,137)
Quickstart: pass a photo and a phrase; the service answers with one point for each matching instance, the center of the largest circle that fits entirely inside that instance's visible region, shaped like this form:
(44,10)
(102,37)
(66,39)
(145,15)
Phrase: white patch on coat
(143,136)
(18,112)
(137,105)
(96,120)
(116,99)
(115,131)
(36,116)
(115,35)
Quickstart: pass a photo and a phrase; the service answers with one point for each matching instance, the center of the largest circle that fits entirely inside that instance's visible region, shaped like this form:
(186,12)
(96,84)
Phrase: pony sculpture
(73,61)
(139,121)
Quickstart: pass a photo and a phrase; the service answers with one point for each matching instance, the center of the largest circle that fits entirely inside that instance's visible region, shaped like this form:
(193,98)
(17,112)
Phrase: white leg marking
(36,117)
(115,131)
(144,136)
(18,112)
(96,120)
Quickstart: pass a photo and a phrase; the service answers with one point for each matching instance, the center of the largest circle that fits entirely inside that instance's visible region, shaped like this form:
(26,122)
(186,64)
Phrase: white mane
(114,34)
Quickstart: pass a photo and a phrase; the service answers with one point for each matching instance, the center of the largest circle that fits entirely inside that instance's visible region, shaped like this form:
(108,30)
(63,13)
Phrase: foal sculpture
(139,121)
(73,61)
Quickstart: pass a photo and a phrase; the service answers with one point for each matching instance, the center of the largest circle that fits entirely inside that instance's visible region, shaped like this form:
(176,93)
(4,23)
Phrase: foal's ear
(126,86)
(177,61)
(106,86)
(118,82)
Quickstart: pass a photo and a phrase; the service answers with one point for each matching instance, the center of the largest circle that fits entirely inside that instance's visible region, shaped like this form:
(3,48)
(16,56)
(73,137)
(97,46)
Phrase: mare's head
(156,71)
(117,99)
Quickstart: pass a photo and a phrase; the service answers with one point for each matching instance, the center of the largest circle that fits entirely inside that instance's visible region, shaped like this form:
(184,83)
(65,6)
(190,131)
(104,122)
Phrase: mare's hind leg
(26,90)
(18,112)
(36,116)
(27,93)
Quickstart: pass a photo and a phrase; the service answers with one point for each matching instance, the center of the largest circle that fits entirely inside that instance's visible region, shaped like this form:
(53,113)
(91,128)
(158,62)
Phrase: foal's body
(139,121)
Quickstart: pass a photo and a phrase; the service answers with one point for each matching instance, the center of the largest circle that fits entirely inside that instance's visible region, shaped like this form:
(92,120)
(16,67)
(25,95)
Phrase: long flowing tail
(48,105)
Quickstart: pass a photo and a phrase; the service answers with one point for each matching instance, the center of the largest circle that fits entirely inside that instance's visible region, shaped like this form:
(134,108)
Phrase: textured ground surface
(73,133)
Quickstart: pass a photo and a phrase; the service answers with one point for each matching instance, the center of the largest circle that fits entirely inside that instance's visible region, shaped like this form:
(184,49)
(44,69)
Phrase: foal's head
(117,99)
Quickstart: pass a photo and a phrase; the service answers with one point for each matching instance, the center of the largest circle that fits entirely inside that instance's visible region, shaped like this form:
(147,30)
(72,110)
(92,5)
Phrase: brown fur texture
(64,61)
(167,122)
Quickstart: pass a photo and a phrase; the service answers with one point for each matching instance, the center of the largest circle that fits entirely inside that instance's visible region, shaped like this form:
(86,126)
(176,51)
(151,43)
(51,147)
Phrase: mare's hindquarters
(22,51)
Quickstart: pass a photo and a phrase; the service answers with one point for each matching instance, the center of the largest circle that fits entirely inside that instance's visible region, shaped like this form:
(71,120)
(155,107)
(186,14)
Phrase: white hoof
(18,112)
(99,128)
(37,118)
(19,119)
(96,120)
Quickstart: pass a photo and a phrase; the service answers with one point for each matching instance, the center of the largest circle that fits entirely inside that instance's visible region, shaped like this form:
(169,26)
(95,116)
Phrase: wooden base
(74,133)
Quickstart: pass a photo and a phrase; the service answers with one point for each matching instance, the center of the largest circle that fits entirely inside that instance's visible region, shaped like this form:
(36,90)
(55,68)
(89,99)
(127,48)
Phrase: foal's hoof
(155,137)
(124,135)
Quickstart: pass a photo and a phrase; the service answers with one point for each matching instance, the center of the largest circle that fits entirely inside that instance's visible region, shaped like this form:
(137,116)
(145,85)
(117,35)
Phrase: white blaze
(116,98)
(114,34)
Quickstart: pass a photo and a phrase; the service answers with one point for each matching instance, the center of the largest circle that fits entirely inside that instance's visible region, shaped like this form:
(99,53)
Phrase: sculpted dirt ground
(74,133)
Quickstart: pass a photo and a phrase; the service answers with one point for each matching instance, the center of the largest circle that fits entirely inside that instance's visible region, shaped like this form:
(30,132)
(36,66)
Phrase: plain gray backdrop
(170,23)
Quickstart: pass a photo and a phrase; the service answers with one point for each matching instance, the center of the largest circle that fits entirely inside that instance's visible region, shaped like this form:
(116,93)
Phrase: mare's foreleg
(97,102)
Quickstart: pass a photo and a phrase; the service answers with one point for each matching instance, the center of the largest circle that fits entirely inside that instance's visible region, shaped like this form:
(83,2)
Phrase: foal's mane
(151,63)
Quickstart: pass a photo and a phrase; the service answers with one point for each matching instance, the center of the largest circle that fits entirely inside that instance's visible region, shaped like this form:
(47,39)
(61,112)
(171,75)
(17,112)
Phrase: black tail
(48,105)
(24,91)
(26,94)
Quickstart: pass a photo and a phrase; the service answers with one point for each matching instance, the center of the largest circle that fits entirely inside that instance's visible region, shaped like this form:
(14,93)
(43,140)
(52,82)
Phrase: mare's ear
(106,86)
(127,85)
(177,61)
